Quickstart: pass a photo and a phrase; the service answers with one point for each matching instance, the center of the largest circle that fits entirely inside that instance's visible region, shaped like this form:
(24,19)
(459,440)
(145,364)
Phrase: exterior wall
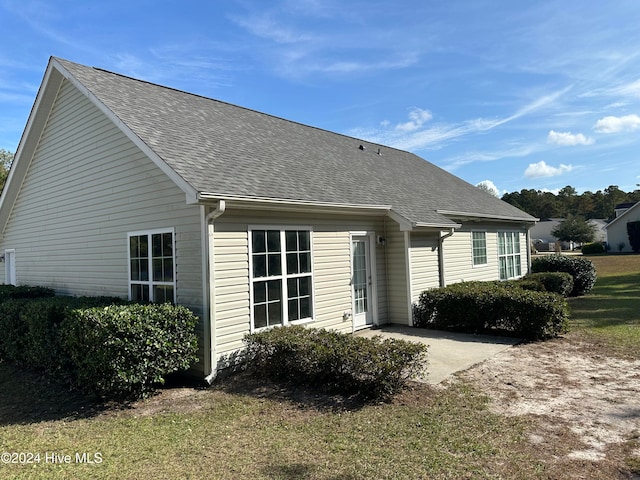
(331,251)
(617,232)
(423,258)
(86,187)
(398,274)
(458,254)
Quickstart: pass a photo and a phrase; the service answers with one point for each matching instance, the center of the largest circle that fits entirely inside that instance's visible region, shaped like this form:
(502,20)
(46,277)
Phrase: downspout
(528,250)
(210,218)
(441,254)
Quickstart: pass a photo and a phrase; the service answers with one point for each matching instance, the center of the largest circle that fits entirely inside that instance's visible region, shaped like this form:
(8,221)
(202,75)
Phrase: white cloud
(541,169)
(631,89)
(417,118)
(617,124)
(415,135)
(490,187)
(567,139)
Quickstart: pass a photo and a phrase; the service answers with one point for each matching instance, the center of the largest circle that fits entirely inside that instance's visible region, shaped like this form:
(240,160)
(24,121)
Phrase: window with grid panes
(509,255)
(152,266)
(281,277)
(479,246)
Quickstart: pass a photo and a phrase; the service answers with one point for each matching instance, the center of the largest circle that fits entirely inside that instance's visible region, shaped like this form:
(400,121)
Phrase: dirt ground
(584,402)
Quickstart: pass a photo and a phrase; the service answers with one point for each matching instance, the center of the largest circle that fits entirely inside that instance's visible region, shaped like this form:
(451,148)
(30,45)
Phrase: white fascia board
(405,224)
(282,203)
(627,211)
(40,111)
(509,218)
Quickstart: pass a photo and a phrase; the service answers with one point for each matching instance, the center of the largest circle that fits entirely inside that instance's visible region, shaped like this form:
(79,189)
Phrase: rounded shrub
(555,282)
(489,307)
(593,248)
(374,368)
(581,269)
(124,351)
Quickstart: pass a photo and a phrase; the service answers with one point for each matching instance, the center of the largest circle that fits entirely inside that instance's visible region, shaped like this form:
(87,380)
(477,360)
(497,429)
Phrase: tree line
(6,159)
(567,202)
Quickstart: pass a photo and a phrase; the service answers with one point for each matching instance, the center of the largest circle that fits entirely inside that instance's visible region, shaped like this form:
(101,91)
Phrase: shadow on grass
(614,301)
(297,471)
(27,397)
(242,383)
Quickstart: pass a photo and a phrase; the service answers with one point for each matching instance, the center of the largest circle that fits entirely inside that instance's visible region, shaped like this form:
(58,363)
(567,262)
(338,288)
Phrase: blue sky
(522,94)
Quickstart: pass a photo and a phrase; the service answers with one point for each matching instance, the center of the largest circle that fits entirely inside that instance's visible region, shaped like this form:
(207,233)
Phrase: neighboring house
(126,188)
(617,228)
(544,240)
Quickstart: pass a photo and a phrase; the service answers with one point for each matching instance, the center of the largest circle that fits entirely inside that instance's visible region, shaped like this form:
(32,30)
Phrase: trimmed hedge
(478,307)
(593,248)
(100,344)
(13,331)
(31,328)
(8,292)
(124,351)
(554,282)
(581,269)
(371,367)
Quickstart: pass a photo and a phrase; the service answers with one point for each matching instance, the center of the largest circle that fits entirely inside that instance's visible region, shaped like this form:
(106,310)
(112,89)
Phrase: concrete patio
(449,352)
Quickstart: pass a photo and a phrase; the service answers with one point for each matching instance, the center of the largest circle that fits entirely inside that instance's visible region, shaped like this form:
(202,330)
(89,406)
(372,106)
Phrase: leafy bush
(526,283)
(14,331)
(593,248)
(42,318)
(31,326)
(581,269)
(479,307)
(554,282)
(123,351)
(8,292)
(372,367)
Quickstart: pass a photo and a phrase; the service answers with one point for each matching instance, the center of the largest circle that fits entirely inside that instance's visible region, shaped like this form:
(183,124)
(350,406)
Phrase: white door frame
(371,316)
(10,266)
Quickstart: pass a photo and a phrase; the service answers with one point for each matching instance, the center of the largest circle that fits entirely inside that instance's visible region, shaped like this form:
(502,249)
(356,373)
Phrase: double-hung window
(152,266)
(509,255)
(281,276)
(479,247)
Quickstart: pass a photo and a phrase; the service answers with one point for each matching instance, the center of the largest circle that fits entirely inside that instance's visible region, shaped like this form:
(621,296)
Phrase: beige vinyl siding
(458,253)
(397,275)
(423,256)
(331,247)
(86,187)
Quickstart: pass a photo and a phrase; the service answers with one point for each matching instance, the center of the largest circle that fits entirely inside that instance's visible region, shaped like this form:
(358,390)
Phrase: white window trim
(486,251)
(507,255)
(150,282)
(283,276)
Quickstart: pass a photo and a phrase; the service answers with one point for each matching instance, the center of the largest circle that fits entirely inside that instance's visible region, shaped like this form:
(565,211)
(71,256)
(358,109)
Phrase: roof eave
(269,203)
(484,216)
(623,214)
(47,93)
(407,225)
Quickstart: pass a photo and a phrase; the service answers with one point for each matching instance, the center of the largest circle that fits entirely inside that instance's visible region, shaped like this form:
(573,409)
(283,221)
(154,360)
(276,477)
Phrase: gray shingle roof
(226,150)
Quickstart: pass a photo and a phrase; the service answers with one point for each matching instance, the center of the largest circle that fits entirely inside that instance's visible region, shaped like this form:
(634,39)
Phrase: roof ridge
(185,92)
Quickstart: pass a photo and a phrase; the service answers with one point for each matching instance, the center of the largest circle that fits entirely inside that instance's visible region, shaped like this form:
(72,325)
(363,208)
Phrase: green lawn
(610,314)
(242,429)
(232,432)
